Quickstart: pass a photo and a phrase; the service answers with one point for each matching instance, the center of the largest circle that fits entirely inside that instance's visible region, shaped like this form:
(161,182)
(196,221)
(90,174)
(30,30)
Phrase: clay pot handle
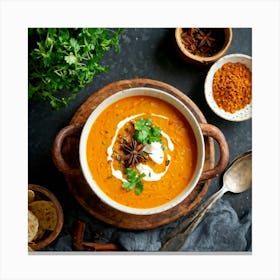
(216,134)
(57,156)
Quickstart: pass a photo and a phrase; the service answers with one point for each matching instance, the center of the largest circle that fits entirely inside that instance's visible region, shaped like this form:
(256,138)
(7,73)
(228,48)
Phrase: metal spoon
(236,179)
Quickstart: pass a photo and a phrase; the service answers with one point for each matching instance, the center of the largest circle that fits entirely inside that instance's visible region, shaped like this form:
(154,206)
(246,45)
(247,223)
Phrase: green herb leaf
(142,124)
(146,132)
(74,43)
(133,181)
(70,59)
(62,61)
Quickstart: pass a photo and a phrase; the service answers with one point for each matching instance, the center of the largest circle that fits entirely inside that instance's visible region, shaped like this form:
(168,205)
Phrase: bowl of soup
(142,151)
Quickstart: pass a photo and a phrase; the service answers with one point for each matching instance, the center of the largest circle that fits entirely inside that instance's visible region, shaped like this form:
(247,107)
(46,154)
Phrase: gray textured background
(144,53)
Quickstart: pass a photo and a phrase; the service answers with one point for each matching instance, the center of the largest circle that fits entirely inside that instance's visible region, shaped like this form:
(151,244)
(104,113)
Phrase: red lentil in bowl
(228,87)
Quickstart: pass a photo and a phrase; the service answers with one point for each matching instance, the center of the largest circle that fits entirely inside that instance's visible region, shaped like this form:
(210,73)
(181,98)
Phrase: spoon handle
(177,237)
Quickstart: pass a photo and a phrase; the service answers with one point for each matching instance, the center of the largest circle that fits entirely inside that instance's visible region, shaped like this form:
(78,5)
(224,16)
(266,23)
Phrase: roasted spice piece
(80,245)
(232,87)
(133,152)
(203,41)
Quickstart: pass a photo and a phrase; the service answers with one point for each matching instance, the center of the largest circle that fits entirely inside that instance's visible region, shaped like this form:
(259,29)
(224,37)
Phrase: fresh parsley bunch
(66,60)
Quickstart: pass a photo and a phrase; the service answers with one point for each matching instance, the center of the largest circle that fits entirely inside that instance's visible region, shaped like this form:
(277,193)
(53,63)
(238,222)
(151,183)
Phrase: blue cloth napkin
(221,230)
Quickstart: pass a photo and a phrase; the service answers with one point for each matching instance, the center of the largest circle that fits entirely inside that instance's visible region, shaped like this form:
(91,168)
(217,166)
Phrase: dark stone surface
(144,53)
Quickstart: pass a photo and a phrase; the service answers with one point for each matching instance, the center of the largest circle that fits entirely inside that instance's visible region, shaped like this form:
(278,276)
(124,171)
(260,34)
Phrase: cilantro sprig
(62,61)
(133,181)
(146,132)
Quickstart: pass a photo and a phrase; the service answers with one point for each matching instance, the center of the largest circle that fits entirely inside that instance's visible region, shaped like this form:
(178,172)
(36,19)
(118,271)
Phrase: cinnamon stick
(80,245)
(78,235)
(101,247)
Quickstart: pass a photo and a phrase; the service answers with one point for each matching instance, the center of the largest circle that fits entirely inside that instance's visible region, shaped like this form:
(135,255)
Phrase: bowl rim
(240,115)
(199,58)
(60,217)
(141,91)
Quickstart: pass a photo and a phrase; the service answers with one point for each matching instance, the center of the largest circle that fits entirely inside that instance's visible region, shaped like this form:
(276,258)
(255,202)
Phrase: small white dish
(241,115)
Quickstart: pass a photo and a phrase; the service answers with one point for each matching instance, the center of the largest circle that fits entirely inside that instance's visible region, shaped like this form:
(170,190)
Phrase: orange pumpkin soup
(163,164)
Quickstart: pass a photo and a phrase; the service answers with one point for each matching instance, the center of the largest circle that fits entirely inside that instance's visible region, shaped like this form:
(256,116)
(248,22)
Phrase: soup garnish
(141,142)
(133,181)
(146,133)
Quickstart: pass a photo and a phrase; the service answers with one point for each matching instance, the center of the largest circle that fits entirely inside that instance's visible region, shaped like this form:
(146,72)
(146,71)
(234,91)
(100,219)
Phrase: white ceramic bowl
(241,115)
(167,98)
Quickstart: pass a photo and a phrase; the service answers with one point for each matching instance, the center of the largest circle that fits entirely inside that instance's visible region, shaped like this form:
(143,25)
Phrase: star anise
(205,39)
(201,41)
(133,152)
(189,42)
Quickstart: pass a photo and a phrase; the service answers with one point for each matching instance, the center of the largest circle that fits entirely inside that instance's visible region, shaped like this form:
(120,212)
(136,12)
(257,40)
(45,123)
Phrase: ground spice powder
(232,86)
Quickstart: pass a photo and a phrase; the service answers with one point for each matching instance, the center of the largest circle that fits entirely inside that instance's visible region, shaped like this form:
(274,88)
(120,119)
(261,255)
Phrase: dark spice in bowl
(204,42)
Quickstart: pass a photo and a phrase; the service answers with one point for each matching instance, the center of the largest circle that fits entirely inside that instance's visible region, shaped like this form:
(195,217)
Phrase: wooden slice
(91,203)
